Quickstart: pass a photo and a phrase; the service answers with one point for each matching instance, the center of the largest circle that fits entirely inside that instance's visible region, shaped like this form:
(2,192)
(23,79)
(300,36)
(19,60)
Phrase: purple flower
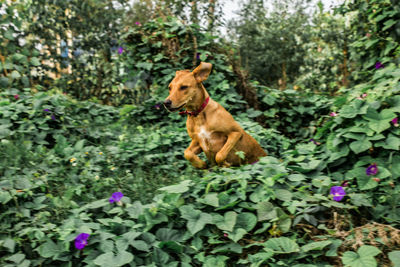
(372,169)
(138,23)
(81,240)
(338,193)
(16,97)
(53,117)
(379,65)
(198,56)
(46,110)
(157,106)
(395,122)
(315,142)
(115,197)
(120,50)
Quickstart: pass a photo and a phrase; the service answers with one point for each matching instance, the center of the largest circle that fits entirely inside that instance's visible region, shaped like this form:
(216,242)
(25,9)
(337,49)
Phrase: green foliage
(18,56)
(270,39)
(375,32)
(157,49)
(295,114)
(61,159)
(364,257)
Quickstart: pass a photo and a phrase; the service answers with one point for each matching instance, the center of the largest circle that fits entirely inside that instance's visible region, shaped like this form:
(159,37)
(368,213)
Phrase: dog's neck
(198,99)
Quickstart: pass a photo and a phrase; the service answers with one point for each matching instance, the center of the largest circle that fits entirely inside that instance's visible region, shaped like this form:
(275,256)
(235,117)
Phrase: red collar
(195,113)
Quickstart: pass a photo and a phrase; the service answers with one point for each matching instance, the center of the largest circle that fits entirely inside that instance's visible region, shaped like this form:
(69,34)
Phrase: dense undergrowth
(63,159)
(278,212)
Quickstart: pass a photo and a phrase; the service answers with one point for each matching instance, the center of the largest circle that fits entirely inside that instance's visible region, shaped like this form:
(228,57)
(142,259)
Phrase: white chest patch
(204,136)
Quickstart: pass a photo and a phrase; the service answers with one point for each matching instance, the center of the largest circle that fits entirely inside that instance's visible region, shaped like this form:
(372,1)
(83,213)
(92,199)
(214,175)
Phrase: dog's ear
(202,71)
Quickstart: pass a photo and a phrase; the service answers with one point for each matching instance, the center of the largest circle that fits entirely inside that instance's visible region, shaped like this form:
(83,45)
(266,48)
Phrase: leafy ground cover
(279,212)
(86,184)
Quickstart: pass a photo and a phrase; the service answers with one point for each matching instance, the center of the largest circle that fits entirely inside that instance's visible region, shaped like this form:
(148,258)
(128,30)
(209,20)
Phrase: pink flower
(138,23)
(362,96)
(16,97)
(333,114)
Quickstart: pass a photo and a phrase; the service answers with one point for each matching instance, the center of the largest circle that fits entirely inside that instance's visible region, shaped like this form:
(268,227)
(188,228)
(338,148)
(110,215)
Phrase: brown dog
(212,129)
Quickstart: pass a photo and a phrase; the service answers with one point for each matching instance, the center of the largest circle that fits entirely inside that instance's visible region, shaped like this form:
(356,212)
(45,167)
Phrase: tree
(269,36)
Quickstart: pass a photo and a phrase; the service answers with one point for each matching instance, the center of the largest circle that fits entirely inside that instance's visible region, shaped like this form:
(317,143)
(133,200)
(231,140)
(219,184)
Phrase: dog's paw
(200,165)
(220,159)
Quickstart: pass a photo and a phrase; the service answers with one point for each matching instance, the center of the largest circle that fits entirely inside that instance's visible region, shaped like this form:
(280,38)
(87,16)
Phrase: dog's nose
(167,103)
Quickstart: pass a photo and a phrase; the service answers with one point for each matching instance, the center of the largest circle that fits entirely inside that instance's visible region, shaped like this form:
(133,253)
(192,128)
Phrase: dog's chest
(204,137)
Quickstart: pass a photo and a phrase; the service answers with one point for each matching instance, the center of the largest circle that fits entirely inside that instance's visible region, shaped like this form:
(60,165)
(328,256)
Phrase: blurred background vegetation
(81,84)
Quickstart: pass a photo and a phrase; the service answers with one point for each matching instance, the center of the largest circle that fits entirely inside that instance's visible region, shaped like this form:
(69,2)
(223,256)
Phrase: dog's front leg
(233,138)
(191,155)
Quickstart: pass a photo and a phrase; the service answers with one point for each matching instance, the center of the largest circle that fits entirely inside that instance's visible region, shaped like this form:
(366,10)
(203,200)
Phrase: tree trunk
(211,15)
(195,12)
(283,81)
(243,87)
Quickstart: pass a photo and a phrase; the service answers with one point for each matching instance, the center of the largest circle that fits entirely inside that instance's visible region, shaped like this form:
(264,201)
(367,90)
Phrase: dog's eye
(183,87)
(169,88)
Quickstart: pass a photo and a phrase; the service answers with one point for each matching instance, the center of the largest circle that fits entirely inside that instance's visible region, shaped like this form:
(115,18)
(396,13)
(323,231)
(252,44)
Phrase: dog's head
(185,86)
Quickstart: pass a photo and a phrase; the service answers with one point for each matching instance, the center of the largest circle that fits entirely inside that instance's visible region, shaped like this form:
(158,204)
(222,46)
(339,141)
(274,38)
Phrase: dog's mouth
(175,109)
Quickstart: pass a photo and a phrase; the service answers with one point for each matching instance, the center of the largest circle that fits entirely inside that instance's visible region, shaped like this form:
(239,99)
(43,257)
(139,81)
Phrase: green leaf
(5,197)
(281,245)
(196,219)
(395,167)
(363,258)
(145,65)
(394,256)
(266,211)
(179,188)
(379,121)
(392,142)
(319,245)
(50,249)
(283,194)
(215,261)
(109,259)
(332,252)
(389,23)
(368,251)
(210,199)
(226,222)
(9,35)
(171,246)
(140,245)
(246,221)
(35,61)
(16,258)
(360,200)
(360,146)
(237,234)
(229,248)
(9,244)
(15,74)
(353,109)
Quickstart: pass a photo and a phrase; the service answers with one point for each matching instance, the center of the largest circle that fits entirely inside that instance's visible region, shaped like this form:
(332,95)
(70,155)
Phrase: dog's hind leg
(191,155)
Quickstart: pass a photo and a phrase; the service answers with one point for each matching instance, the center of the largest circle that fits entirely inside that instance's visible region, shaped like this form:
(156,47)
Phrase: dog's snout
(167,103)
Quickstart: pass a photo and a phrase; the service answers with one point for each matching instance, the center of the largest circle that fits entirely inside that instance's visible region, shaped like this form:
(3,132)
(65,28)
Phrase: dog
(212,129)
